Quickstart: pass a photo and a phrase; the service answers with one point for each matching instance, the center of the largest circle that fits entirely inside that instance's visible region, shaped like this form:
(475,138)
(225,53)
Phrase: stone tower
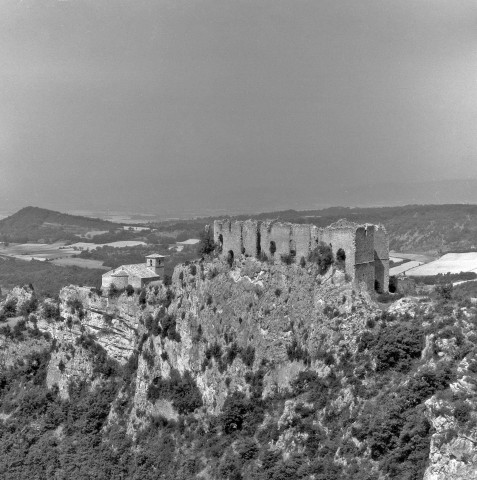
(155,262)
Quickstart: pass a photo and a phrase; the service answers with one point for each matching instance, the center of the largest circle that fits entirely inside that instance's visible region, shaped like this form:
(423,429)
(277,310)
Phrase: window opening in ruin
(221,240)
(273,247)
(230,258)
(259,245)
(292,248)
(377,286)
(340,259)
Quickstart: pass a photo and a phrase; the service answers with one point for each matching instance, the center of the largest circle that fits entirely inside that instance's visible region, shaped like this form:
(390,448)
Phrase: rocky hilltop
(253,370)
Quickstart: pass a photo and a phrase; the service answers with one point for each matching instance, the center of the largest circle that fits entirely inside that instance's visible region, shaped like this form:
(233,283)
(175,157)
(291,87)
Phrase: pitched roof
(121,273)
(136,270)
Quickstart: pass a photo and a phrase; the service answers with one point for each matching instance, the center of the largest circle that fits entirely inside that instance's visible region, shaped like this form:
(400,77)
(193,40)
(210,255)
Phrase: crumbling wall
(250,237)
(381,258)
(364,244)
(280,233)
(231,236)
(364,272)
(218,231)
(264,229)
(366,247)
(301,237)
(342,236)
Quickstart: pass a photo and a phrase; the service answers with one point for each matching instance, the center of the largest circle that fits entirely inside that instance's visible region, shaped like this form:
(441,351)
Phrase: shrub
(28,306)
(193,269)
(233,412)
(248,356)
(142,297)
(322,255)
(114,291)
(181,390)
(287,259)
(129,290)
(206,244)
(397,345)
(10,308)
(262,257)
(51,311)
(462,412)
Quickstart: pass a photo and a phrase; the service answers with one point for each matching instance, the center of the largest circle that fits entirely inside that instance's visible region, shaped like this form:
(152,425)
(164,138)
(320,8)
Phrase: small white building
(137,275)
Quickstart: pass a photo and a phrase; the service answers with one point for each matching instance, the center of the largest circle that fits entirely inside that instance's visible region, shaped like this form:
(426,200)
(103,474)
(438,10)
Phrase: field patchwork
(448,263)
(404,267)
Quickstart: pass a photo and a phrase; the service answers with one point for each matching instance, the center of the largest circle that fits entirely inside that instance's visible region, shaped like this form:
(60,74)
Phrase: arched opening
(340,259)
(230,258)
(221,242)
(273,247)
(292,248)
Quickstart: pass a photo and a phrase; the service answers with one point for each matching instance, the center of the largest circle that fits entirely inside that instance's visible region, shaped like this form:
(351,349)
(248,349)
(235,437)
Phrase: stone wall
(366,246)
(341,236)
(381,258)
(250,237)
(280,233)
(301,237)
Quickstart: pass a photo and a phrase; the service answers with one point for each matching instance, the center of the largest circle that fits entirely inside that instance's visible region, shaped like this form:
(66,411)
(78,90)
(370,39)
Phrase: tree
(206,245)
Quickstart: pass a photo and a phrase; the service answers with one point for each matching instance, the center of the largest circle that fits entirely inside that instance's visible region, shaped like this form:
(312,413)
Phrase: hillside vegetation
(250,370)
(33,224)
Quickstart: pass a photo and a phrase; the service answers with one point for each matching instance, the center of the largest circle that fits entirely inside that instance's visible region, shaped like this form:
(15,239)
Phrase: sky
(217,105)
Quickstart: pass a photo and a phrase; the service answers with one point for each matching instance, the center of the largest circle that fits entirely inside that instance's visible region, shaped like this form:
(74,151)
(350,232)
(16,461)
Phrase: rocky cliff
(268,370)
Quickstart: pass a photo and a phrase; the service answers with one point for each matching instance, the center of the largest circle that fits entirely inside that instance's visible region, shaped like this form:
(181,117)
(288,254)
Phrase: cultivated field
(58,253)
(418,257)
(37,251)
(448,263)
(79,262)
(93,246)
(405,267)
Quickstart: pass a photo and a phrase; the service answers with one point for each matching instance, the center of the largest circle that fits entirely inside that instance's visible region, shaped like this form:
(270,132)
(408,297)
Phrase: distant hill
(33,224)
(438,228)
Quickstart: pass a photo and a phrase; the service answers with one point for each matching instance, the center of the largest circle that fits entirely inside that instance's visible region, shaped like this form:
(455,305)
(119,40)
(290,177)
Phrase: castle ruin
(366,247)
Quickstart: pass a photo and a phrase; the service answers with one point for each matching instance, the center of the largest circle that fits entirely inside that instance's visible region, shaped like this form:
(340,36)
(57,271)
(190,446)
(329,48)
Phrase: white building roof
(135,270)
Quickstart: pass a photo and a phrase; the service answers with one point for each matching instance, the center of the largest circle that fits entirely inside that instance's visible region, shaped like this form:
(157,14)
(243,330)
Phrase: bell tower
(155,262)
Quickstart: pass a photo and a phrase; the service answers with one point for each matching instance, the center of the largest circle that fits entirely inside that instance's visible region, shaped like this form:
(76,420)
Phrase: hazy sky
(208,104)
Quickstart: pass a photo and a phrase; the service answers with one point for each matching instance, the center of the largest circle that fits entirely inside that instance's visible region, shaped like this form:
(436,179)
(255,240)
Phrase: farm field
(37,251)
(418,257)
(405,267)
(93,246)
(448,263)
(79,262)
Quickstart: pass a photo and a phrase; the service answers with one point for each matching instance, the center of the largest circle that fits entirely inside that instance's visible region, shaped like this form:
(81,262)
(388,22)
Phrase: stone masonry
(366,246)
